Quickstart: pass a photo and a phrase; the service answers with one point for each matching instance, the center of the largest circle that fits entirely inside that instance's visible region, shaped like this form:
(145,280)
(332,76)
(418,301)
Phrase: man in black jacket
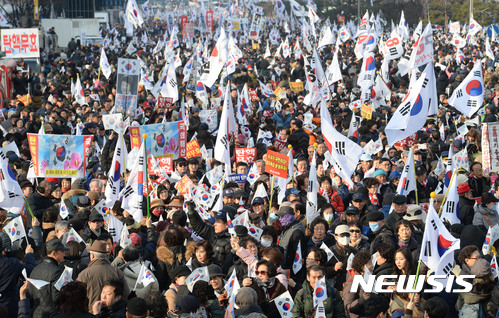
(217,234)
(111,303)
(466,203)
(302,137)
(39,201)
(46,299)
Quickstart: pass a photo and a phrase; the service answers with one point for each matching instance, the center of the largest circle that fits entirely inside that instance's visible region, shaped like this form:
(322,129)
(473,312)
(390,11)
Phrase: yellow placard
(256,46)
(296,86)
(366,112)
(236,26)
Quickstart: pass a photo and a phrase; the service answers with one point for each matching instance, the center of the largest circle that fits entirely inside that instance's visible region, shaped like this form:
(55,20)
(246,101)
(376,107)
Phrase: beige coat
(96,274)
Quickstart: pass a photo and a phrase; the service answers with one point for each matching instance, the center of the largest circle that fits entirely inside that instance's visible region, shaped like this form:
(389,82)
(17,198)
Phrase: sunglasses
(182,164)
(261,272)
(344,235)
(354,231)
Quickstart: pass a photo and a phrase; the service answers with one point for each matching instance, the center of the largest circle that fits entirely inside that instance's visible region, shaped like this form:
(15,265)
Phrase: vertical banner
(59,156)
(485,149)
(183,22)
(163,140)
(209,20)
(127,85)
(493,138)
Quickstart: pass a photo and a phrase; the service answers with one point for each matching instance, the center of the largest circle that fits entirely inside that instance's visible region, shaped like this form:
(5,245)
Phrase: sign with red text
(164,103)
(409,142)
(166,163)
(20,43)
(277,164)
(247,155)
(192,149)
(183,185)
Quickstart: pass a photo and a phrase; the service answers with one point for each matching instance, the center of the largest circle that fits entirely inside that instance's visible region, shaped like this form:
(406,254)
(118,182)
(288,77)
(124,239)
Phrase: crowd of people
(368,225)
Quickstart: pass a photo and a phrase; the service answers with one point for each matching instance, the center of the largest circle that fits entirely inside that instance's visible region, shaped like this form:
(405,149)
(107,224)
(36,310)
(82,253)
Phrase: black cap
(375,216)
(420,169)
(352,210)
(358,196)
(55,245)
(137,307)
(241,231)
(96,216)
(215,270)
(399,199)
(181,270)
(193,160)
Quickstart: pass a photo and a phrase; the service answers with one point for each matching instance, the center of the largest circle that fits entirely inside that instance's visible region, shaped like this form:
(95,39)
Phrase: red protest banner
(164,103)
(183,185)
(192,148)
(166,163)
(209,20)
(277,164)
(253,95)
(183,22)
(409,142)
(247,155)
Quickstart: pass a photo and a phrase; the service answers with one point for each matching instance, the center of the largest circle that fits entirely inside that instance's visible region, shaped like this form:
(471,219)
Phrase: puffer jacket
(171,257)
(304,302)
(131,272)
(250,312)
(482,214)
(46,299)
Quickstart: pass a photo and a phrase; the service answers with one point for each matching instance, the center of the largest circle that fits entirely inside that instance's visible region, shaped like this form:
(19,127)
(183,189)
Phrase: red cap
(463,188)
(136,239)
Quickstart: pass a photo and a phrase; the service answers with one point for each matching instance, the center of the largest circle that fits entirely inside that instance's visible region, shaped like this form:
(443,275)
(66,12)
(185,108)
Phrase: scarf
(316,241)
(425,182)
(287,219)
(403,243)
(373,197)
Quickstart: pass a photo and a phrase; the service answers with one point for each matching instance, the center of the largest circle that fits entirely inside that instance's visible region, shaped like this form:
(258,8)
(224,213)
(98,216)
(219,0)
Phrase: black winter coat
(46,299)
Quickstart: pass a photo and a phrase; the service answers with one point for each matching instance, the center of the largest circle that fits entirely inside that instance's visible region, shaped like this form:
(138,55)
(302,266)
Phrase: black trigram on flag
(459,93)
(450,206)
(340,147)
(112,231)
(427,251)
(12,195)
(434,224)
(128,191)
(477,73)
(447,269)
(472,103)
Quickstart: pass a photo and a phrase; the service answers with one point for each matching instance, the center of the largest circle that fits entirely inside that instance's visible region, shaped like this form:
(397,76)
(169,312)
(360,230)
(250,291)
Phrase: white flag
(436,240)
(320,291)
(200,273)
(297,263)
(104,64)
(11,195)
(15,229)
(170,88)
(133,14)
(3,20)
(145,277)
(313,187)
(422,51)
(114,227)
(37,283)
(468,96)
(113,187)
(284,303)
(72,236)
(218,58)
(63,210)
(328,251)
(232,286)
(125,237)
(333,72)
(407,181)
(450,209)
(488,50)
(79,95)
(66,277)
(493,266)
(227,126)
(475,27)
(133,195)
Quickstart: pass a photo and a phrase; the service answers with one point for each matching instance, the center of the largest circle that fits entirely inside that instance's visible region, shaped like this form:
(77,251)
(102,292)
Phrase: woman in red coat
(326,189)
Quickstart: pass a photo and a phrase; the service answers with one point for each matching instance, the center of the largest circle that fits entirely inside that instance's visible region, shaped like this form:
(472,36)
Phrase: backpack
(472,311)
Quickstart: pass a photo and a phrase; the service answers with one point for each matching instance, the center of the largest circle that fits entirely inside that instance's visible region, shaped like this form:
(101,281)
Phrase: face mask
(266,243)
(344,240)
(79,112)
(273,216)
(328,217)
(374,226)
(286,113)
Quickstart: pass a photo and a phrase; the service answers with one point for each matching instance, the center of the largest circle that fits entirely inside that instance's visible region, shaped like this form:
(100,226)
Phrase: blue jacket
(280,121)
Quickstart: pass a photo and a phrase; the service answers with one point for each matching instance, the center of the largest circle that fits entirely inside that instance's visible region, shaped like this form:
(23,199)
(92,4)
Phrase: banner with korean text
(277,164)
(163,140)
(59,156)
(20,43)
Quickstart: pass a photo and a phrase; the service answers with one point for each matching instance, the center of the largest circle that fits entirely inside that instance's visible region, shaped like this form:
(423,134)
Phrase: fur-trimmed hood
(168,254)
(70,193)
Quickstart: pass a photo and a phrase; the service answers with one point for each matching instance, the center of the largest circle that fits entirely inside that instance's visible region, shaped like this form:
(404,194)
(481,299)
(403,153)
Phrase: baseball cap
(399,199)
(228,193)
(95,217)
(340,229)
(98,169)
(358,197)
(257,200)
(55,245)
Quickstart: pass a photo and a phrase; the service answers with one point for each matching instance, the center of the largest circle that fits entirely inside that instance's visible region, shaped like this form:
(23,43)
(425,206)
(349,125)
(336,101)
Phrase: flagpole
(271,194)
(144,136)
(29,208)
(446,192)
(416,180)
(433,195)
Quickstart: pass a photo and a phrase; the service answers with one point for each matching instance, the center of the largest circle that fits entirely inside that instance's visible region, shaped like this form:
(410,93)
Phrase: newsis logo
(405,284)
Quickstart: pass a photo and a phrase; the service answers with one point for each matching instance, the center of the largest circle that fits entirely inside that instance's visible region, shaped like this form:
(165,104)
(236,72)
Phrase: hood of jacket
(168,254)
(70,193)
(483,210)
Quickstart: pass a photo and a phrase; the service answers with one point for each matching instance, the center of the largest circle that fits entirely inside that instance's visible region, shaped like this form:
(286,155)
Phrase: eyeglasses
(261,272)
(319,229)
(354,231)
